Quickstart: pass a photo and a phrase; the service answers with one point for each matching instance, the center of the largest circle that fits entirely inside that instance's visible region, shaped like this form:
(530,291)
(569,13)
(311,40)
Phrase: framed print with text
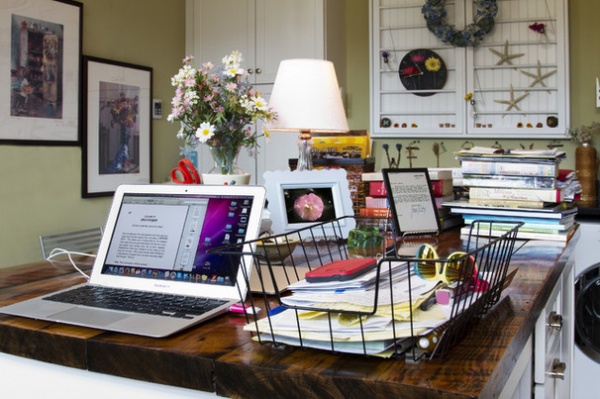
(40,61)
(117,101)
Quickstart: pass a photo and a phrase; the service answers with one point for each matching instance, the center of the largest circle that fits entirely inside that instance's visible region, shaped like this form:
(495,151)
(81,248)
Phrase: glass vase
(225,170)
(225,159)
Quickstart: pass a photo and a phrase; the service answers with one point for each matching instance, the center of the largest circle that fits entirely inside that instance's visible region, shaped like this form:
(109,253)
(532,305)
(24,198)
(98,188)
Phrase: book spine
(376,202)
(509,168)
(501,203)
(469,218)
(515,194)
(377,189)
(509,181)
(439,174)
(372,176)
(377,212)
(441,188)
(563,236)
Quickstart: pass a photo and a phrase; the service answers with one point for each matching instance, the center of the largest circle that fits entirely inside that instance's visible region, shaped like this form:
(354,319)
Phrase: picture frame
(328,187)
(40,60)
(117,119)
(411,201)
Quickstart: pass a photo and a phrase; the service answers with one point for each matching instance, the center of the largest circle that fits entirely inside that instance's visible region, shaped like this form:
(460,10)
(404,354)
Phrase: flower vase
(586,164)
(226,170)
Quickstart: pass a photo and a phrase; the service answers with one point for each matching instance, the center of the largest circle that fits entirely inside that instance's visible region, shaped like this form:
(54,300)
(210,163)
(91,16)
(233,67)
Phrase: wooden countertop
(219,356)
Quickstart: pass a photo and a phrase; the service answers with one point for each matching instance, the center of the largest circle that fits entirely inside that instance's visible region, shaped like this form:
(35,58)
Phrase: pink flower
(309,207)
(417,58)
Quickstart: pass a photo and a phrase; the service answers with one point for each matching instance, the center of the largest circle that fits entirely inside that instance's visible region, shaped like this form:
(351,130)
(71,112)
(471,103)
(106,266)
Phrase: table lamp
(306,98)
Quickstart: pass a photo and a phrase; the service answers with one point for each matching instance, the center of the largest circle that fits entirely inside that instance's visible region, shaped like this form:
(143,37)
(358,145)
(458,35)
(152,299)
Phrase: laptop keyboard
(185,307)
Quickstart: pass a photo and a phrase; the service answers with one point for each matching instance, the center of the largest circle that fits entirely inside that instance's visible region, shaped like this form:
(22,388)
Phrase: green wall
(41,186)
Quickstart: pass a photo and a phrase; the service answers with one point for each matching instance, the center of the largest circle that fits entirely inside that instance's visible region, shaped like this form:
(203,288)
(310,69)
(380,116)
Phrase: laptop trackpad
(94,317)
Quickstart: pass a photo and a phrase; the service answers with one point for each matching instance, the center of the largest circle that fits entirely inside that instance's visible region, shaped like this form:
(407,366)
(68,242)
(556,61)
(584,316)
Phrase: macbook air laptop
(157,243)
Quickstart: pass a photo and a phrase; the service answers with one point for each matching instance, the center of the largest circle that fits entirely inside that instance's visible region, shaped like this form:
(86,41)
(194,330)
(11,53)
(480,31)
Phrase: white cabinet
(553,341)
(517,76)
(265,32)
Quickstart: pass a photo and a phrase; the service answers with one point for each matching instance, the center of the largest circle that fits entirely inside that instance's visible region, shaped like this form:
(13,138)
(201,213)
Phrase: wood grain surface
(219,356)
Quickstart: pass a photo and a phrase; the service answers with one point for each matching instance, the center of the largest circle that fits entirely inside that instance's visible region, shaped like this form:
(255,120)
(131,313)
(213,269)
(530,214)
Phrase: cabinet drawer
(549,334)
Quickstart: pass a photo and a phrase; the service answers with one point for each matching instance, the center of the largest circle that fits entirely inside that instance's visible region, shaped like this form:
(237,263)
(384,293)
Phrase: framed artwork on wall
(40,61)
(117,101)
(299,199)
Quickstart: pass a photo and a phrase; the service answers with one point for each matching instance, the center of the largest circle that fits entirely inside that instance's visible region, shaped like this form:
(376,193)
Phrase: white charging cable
(59,251)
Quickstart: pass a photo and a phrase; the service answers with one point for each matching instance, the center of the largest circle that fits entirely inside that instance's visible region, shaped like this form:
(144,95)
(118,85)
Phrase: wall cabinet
(265,32)
(517,76)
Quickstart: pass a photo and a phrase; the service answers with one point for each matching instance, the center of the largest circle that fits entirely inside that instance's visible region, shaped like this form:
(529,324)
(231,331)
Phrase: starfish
(539,77)
(512,103)
(505,57)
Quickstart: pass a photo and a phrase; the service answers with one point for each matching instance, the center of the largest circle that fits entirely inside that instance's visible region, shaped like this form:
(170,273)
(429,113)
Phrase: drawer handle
(555,321)
(558,369)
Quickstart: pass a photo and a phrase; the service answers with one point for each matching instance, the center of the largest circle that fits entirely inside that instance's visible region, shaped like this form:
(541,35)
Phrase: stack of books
(376,201)
(525,186)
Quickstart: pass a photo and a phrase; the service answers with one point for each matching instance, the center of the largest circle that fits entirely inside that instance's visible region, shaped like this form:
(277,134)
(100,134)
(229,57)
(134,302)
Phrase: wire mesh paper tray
(416,307)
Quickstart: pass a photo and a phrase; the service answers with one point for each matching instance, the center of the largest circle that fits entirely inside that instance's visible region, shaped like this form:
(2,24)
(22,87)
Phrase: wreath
(435,14)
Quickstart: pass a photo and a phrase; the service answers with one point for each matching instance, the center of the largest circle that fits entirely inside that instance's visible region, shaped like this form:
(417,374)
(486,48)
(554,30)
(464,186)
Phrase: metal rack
(479,278)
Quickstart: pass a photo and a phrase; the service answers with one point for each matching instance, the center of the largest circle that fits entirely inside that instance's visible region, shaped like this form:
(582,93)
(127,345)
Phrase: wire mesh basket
(413,307)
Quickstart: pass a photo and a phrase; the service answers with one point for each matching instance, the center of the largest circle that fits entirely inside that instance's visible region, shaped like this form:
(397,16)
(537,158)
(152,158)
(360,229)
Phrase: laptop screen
(166,237)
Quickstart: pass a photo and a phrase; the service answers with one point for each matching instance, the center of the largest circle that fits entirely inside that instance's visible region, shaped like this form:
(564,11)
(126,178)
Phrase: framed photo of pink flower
(299,199)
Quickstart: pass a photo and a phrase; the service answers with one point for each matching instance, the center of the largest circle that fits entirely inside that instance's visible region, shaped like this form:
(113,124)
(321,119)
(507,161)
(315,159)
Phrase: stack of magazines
(518,185)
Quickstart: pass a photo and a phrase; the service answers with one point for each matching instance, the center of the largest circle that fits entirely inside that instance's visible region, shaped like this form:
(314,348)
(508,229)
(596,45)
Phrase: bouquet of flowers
(217,107)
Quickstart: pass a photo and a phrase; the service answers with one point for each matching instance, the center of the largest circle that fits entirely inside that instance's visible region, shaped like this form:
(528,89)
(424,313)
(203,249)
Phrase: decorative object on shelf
(217,107)
(434,12)
(513,102)
(539,77)
(393,163)
(541,29)
(422,69)
(552,121)
(386,57)
(586,160)
(473,102)
(505,56)
(467,145)
(306,97)
(411,152)
(438,149)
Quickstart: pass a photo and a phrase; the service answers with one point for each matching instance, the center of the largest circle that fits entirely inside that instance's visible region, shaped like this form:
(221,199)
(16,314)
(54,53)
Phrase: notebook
(158,241)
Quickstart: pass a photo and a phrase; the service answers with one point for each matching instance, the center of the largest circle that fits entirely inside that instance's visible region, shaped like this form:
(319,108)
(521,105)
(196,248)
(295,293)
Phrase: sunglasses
(458,267)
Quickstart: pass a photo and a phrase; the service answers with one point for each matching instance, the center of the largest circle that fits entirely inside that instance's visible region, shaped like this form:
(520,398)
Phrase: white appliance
(586,363)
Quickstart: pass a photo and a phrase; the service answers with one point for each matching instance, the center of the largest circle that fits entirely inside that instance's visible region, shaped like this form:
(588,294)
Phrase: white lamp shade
(306,96)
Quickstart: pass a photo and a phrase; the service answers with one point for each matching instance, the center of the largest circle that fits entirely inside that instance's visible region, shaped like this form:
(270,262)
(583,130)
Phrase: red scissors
(185,173)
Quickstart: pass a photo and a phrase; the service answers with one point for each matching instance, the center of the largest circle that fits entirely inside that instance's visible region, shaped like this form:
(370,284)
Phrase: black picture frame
(41,65)
(411,201)
(117,117)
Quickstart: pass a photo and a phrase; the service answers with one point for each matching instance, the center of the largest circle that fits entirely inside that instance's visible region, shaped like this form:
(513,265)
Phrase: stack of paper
(347,316)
